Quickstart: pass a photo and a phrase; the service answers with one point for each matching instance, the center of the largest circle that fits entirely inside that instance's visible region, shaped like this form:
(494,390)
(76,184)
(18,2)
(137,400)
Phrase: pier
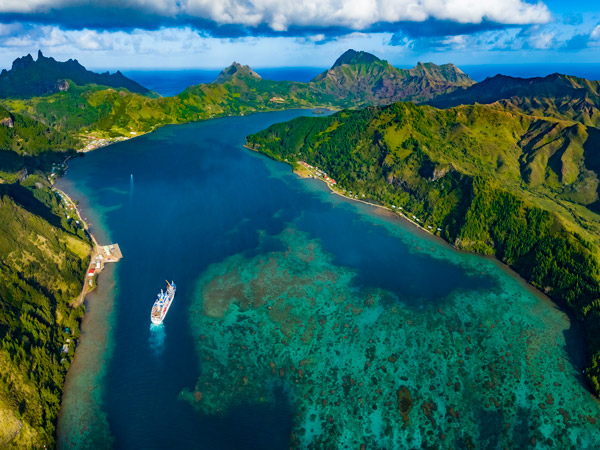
(101,255)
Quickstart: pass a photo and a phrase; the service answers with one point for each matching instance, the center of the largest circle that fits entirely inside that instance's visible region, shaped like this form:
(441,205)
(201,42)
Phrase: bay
(301,319)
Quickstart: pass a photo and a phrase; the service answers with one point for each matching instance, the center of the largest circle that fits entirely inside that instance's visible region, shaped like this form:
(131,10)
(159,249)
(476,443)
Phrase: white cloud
(595,34)
(317,37)
(280,15)
(91,40)
(53,37)
(360,14)
(168,7)
(455,42)
(542,41)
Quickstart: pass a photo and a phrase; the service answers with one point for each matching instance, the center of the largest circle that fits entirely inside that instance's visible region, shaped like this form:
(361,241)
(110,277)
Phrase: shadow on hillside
(10,161)
(25,198)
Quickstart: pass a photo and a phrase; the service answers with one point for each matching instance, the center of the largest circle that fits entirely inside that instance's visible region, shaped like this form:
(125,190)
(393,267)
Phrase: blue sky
(275,33)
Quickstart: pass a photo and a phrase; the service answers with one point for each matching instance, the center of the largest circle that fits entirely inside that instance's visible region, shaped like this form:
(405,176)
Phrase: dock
(101,255)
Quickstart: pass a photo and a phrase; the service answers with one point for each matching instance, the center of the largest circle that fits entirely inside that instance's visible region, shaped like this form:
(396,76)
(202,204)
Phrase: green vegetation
(41,271)
(26,136)
(83,111)
(486,179)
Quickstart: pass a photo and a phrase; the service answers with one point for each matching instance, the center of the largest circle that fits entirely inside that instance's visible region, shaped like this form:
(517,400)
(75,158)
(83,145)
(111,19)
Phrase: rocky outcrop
(8,121)
(62,85)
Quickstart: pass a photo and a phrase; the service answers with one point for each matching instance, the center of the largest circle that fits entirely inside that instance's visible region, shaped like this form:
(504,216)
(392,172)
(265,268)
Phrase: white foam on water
(157,338)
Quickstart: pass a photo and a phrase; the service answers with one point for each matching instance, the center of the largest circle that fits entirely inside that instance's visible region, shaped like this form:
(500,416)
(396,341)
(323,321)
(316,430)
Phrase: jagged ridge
(30,78)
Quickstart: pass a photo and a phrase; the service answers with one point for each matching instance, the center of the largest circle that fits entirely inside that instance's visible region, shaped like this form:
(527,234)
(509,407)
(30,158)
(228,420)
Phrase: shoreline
(81,419)
(82,422)
(91,318)
(395,212)
(98,259)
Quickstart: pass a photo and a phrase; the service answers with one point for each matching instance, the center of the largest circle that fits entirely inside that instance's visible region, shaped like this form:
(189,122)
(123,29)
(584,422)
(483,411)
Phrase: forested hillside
(42,265)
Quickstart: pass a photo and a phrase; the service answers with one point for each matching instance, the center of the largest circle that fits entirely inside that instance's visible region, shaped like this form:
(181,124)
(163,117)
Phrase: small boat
(162,304)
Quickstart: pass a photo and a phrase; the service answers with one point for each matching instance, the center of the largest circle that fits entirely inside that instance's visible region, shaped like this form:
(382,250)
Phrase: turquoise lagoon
(302,319)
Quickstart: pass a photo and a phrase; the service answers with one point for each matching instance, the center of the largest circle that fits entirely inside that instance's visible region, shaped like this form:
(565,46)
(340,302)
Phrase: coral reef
(364,370)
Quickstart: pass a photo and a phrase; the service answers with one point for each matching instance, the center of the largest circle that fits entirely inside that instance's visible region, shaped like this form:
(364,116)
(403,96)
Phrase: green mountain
(359,78)
(92,110)
(490,180)
(562,96)
(32,78)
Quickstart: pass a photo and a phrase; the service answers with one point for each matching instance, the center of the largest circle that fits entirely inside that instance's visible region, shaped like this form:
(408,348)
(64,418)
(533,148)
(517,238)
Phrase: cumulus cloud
(595,34)
(542,41)
(286,17)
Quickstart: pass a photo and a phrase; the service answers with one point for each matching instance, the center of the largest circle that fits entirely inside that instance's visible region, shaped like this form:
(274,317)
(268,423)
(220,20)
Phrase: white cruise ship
(162,304)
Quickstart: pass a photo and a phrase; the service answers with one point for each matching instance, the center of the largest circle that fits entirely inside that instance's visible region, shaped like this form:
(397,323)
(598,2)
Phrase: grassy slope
(494,181)
(563,97)
(110,112)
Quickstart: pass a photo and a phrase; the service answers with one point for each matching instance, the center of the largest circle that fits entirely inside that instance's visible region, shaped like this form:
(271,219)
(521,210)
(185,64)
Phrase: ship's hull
(162,304)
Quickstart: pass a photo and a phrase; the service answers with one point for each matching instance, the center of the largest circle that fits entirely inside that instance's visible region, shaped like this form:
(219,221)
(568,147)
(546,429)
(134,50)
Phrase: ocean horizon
(173,81)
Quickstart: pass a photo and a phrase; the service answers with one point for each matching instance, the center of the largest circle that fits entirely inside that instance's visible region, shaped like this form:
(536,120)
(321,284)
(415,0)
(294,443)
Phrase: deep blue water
(186,197)
(172,82)
(198,197)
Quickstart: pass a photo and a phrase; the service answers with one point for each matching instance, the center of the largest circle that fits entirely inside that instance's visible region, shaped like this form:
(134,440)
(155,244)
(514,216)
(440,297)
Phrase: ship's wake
(157,339)
(130,202)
